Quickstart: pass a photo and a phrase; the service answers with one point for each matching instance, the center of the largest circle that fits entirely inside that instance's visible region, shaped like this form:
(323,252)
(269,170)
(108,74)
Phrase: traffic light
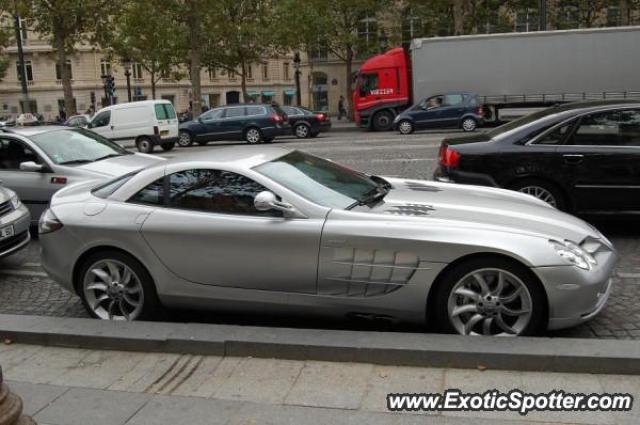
(111,86)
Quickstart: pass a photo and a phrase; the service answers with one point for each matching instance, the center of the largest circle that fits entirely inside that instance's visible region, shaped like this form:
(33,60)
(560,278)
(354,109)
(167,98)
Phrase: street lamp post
(26,103)
(127,73)
(296,65)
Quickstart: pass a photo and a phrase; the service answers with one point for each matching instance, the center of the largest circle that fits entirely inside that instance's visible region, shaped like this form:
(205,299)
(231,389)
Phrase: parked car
(14,223)
(80,120)
(305,123)
(581,157)
(253,123)
(37,161)
(146,123)
(269,229)
(451,110)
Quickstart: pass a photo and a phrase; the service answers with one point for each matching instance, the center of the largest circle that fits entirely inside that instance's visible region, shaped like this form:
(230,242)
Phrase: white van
(146,123)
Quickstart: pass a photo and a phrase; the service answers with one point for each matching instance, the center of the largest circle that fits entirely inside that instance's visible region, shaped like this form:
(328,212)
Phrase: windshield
(319,180)
(75,146)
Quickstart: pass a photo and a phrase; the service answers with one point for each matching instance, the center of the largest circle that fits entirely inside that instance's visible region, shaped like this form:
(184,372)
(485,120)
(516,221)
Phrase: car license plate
(6,232)
(164,132)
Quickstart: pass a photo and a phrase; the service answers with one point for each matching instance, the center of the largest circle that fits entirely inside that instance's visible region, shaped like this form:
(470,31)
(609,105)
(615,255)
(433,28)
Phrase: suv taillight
(448,157)
(275,118)
(480,111)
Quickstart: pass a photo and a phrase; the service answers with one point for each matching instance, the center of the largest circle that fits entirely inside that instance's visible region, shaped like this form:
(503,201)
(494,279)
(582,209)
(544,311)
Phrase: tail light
(48,223)
(321,117)
(480,111)
(448,157)
(275,118)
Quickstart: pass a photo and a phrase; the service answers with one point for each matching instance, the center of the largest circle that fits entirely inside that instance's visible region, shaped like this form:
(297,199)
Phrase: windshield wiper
(374,195)
(111,155)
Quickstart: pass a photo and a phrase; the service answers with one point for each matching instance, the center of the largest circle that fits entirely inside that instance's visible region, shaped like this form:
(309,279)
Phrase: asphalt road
(25,288)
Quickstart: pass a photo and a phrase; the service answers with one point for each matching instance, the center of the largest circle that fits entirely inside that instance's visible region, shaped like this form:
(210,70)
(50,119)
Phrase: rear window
(107,189)
(165,111)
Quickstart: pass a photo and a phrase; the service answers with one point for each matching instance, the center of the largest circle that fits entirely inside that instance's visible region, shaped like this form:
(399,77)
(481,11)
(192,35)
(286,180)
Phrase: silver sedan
(273,230)
(14,223)
(38,161)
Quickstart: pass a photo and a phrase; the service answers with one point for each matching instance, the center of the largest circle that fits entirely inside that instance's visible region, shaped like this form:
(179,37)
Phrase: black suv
(253,123)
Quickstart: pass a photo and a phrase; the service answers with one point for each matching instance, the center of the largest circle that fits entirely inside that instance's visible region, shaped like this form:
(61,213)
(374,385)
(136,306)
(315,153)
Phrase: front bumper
(575,295)
(20,219)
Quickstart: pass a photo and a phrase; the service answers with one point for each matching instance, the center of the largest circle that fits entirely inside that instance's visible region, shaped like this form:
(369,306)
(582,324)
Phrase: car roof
(126,105)
(38,129)
(241,156)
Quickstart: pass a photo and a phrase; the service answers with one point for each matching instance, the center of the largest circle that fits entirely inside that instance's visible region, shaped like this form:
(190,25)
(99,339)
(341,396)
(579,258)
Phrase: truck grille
(5,208)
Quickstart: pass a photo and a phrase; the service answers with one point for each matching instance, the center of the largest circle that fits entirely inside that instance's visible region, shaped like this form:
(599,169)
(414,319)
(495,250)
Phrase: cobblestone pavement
(26,289)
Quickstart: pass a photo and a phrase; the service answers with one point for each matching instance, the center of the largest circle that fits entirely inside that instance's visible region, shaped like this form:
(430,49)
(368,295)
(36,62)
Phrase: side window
(434,102)
(368,83)
(215,191)
(13,153)
(212,115)
(235,112)
(556,136)
(101,119)
(452,100)
(612,128)
(153,194)
(255,110)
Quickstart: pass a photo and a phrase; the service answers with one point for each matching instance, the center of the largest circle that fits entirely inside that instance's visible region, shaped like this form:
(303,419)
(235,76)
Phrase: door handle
(573,158)
(111,127)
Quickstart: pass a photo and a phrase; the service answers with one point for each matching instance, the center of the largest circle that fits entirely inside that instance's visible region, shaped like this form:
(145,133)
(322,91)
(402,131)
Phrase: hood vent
(421,187)
(410,209)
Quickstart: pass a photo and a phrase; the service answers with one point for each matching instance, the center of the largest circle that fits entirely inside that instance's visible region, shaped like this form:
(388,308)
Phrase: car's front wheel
(116,286)
(469,124)
(185,139)
(405,127)
(489,296)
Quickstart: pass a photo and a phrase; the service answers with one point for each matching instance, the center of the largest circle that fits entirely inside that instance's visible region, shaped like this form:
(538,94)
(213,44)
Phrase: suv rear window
(165,111)
(235,112)
(255,110)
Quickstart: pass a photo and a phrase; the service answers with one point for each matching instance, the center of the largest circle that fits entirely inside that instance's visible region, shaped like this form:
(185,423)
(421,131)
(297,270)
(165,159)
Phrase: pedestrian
(342,111)
(63,115)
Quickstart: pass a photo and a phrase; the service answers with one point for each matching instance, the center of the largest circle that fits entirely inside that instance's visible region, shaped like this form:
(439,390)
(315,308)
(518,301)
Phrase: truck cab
(382,89)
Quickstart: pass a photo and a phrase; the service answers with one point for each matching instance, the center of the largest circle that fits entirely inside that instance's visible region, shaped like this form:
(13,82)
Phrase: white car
(147,123)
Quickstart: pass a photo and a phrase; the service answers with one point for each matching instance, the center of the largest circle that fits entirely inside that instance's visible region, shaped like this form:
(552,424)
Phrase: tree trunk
(624,12)
(153,84)
(61,53)
(243,81)
(194,53)
(348,94)
(458,17)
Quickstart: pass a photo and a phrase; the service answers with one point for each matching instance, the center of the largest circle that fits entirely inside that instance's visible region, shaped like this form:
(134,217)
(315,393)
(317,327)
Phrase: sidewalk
(68,386)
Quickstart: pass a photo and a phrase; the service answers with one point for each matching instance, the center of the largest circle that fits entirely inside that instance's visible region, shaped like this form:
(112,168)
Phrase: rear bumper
(456,176)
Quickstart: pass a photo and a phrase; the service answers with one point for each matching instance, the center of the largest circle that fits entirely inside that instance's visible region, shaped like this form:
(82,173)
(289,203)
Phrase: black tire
(406,127)
(151,307)
(253,135)
(185,139)
(168,146)
(268,139)
(144,144)
(302,131)
(469,124)
(382,121)
(445,283)
(528,186)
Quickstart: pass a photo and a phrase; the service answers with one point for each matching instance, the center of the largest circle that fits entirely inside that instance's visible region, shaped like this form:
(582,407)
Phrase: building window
(212,74)
(59,71)
(105,67)
(285,71)
(137,71)
(27,70)
(249,71)
(233,74)
(527,20)
(319,51)
(368,34)
(613,16)
(265,71)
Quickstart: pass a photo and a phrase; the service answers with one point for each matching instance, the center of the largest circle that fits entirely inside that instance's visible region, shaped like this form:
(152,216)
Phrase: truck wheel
(144,145)
(405,127)
(382,121)
(469,124)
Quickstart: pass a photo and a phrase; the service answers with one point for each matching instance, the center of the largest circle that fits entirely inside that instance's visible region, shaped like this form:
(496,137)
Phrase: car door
(232,123)
(603,156)
(210,125)
(101,124)
(210,233)
(427,113)
(34,188)
(452,110)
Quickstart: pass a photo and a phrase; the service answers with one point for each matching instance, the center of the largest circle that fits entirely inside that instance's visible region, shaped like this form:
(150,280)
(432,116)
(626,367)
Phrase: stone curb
(385,348)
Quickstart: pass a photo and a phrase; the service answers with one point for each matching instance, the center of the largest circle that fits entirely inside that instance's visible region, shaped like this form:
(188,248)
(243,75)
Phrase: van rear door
(167,120)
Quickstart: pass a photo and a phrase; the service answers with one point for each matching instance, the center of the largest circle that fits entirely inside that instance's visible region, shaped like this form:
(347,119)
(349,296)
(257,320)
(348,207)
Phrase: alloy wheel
(253,135)
(113,291)
(540,193)
(405,127)
(490,301)
(469,124)
(184,139)
(302,131)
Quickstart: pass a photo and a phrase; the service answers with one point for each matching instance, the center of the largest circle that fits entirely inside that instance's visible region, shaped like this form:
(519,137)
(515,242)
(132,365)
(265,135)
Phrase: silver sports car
(273,230)
(38,161)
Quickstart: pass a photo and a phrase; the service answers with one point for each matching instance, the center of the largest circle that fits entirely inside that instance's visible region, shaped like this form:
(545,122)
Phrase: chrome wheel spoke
(486,326)
(97,286)
(99,301)
(467,293)
(510,312)
(468,327)
(482,282)
(114,271)
(502,325)
(512,296)
(123,310)
(130,301)
(110,310)
(467,308)
(126,276)
(102,275)
(500,285)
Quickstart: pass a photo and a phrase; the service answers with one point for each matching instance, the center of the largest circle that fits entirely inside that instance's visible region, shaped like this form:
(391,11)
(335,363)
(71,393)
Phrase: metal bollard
(11,407)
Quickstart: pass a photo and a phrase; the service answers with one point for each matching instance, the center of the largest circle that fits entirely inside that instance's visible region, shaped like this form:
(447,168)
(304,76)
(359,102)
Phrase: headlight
(574,254)
(396,119)
(15,201)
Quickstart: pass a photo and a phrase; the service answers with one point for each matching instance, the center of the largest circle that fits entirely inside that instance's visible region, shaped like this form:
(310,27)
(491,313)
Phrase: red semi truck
(514,70)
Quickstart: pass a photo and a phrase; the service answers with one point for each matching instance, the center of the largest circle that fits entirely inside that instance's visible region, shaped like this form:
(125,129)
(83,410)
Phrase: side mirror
(266,201)
(31,166)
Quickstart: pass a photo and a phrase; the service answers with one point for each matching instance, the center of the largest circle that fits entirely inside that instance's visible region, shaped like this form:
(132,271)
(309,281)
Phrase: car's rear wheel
(489,296)
(185,139)
(405,127)
(252,136)
(144,145)
(302,131)
(168,146)
(469,124)
(382,121)
(542,190)
(116,286)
